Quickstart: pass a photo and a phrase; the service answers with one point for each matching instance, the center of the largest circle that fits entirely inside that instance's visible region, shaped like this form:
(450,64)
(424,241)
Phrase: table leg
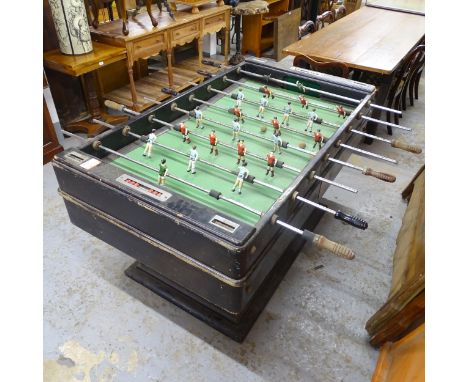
(226,43)
(200,51)
(238,57)
(170,74)
(132,84)
(384,84)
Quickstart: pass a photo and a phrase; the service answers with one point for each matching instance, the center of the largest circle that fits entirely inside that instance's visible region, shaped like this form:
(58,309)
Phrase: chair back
(325,17)
(338,69)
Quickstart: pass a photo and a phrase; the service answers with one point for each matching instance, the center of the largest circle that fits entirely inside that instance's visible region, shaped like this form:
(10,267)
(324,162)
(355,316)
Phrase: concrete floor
(101,326)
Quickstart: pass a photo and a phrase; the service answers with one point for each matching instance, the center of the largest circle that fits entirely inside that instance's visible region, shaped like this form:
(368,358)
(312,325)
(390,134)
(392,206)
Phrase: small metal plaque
(89,164)
(144,188)
(76,157)
(224,223)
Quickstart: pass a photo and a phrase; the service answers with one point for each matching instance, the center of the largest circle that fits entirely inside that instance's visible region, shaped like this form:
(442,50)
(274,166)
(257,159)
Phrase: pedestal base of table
(85,125)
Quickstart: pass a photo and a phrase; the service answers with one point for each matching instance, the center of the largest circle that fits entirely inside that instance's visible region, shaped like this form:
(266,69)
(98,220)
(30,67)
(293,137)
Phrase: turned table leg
(238,57)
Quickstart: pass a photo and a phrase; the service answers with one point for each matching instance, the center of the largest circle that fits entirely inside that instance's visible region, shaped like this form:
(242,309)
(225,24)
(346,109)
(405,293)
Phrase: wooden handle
(380,175)
(337,249)
(113,105)
(405,146)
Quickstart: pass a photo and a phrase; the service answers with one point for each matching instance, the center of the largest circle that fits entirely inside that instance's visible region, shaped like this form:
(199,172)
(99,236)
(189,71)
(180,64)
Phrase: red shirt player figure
(213,142)
(241,150)
(318,138)
(275,123)
(264,89)
(303,101)
(271,162)
(185,132)
(238,113)
(341,111)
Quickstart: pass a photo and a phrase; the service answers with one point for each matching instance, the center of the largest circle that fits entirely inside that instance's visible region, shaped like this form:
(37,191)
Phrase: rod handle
(114,105)
(380,175)
(322,242)
(352,220)
(406,146)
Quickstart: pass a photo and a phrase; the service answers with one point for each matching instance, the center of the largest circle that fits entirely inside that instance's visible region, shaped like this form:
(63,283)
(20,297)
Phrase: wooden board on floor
(151,85)
(285,32)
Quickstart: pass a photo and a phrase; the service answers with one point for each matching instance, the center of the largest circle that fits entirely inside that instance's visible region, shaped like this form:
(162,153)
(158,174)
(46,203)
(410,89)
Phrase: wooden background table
(84,66)
(370,40)
(144,41)
(411,6)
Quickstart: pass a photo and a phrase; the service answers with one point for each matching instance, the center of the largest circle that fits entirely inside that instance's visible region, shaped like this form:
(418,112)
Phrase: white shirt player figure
(311,118)
(240,98)
(235,129)
(242,174)
(287,110)
(263,104)
(277,142)
(199,118)
(193,159)
(149,143)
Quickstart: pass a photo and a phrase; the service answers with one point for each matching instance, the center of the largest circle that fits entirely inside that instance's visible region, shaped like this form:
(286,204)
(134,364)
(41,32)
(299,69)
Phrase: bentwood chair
(325,17)
(410,68)
(338,69)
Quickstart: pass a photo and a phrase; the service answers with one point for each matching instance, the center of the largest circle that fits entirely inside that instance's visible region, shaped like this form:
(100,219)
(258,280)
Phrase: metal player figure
(237,111)
(275,123)
(341,111)
(235,129)
(318,138)
(242,174)
(149,143)
(193,159)
(240,98)
(162,172)
(199,118)
(185,132)
(213,142)
(311,118)
(264,89)
(261,108)
(286,113)
(271,162)
(241,150)
(303,102)
(277,141)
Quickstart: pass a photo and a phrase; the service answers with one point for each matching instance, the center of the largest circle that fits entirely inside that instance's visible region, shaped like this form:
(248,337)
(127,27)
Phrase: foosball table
(215,191)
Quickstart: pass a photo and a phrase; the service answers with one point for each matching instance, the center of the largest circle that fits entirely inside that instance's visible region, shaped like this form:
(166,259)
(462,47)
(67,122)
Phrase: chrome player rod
(294,114)
(300,86)
(278,94)
(366,171)
(385,123)
(211,164)
(399,144)
(380,107)
(217,123)
(355,149)
(192,98)
(349,219)
(253,155)
(339,185)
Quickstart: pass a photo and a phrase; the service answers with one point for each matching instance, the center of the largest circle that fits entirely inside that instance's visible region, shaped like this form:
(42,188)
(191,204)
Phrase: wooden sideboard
(144,41)
(258,30)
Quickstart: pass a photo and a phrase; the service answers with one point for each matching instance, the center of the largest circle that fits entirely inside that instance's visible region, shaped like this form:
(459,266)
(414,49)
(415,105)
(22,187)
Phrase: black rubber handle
(250,179)
(211,63)
(352,220)
(215,194)
(279,164)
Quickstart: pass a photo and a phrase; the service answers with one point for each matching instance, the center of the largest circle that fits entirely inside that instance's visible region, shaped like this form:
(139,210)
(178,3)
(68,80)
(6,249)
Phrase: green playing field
(208,177)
